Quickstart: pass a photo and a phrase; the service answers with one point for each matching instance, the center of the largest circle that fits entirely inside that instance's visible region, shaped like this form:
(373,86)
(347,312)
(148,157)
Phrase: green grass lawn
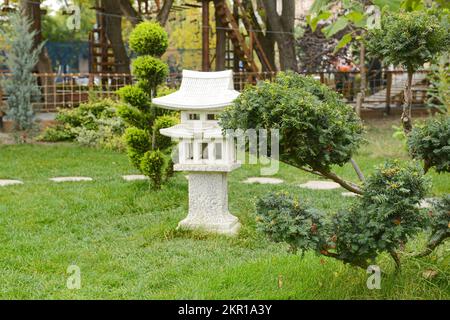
(122,235)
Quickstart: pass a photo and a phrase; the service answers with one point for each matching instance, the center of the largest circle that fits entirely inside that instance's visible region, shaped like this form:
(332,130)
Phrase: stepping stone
(262,180)
(135,177)
(349,194)
(320,185)
(4,183)
(71,179)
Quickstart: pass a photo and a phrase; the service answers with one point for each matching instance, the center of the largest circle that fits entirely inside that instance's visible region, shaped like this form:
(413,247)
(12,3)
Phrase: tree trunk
(113,28)
(44,66)
(221,42)
(406,116)
(362,71)
(163,14)
(129,12)
(267,40)
(283,28)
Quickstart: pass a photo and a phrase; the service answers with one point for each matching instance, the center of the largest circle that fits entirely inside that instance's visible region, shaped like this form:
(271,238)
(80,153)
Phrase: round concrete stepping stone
(262,180)
(71,179)
(320,185)
(5,183)
(349,194)
(135,177)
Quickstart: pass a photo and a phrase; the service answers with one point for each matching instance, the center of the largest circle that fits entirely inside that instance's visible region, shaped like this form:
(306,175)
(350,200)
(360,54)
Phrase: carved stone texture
(208,204)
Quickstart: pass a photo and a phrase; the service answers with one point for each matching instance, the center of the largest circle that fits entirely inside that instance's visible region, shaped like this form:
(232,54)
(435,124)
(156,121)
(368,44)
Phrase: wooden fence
(384,88)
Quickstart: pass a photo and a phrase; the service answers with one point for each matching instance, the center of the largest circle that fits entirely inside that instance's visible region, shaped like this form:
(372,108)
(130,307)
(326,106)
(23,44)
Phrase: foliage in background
(21,58)
(147,150)
(430,142)
(438,94)
(381,221)
(317,129)
(94,124)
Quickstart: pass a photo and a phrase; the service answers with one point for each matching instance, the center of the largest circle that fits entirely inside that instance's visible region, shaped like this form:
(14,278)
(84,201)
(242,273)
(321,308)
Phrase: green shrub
(93,124)
(381,221)
(138,143)
(135,96)
(430,142)
(440,218)
(152,70)
(143,139)
(133,117)
(166,121)
(149,38)
(56,134)
(385,217)
(408,39)
(317,129)
(286,219)
(152,165)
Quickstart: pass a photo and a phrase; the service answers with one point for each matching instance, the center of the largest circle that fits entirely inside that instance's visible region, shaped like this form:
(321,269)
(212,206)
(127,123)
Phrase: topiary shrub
(138,143)
(317,129)
(166,121)
(151,70)
(287,219)
(152,165)
(385,217)
(408,39)
(135,96)
(149,38)
(381,221)
(430,142)
(143,140)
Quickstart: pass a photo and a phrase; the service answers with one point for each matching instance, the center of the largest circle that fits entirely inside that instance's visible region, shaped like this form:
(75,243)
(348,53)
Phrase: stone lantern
(203,150)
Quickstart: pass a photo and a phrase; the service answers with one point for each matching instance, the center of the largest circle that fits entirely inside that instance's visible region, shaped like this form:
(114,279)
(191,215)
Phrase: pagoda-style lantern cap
(201,91)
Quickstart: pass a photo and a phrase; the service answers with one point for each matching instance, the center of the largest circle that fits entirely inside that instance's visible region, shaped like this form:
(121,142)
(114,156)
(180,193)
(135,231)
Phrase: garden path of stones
(312,185)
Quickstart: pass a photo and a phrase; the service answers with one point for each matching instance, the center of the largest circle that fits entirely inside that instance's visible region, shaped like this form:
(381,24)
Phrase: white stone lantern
(203,150)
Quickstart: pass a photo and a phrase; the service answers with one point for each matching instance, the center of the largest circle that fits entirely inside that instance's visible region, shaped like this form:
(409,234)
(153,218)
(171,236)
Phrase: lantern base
(208,204)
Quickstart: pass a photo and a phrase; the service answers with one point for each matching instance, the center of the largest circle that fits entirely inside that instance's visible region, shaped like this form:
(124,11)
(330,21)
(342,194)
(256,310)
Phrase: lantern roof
(184,131)
(201,91)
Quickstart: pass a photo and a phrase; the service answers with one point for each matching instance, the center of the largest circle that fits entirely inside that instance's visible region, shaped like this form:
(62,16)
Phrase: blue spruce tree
(21,57)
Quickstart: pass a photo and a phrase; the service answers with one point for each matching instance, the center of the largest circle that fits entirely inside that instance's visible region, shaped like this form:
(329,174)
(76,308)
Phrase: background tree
(21,58)
(408,39)
(282,29)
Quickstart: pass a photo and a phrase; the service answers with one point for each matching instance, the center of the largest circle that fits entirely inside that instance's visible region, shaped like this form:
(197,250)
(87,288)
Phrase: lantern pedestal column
(208,204)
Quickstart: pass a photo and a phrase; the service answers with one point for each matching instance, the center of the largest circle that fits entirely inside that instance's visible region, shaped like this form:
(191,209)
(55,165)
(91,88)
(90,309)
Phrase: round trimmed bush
(152,165)
(135,97)
(149,38)
(151,70)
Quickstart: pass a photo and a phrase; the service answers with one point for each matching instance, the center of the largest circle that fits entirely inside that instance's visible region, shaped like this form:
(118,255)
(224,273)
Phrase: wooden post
(388,92)
(205,35)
